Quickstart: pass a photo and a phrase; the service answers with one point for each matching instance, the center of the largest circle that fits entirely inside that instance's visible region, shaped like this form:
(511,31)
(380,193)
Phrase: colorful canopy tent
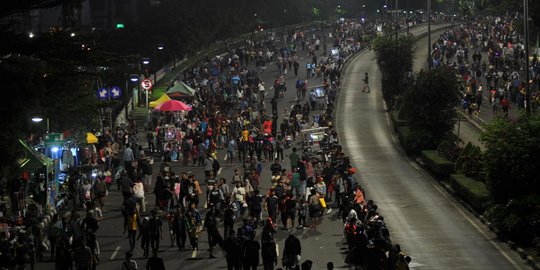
(172,106)
(91,138)
(31,160)
(158,101)
(181,90)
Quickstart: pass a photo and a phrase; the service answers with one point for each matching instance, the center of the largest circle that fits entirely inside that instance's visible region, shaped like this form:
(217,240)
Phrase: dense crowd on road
(489,55)
(239,214)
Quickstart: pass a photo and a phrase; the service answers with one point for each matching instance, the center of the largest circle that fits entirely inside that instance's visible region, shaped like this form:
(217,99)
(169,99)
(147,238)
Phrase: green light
(120,26)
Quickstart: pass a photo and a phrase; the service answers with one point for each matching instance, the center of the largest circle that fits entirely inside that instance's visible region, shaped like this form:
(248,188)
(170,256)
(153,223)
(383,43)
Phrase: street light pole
(430,62)
(147,110)
(397,19)
(526,36)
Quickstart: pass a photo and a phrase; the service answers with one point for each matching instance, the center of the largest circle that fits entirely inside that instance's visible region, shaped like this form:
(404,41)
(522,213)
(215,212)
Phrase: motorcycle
(288,141)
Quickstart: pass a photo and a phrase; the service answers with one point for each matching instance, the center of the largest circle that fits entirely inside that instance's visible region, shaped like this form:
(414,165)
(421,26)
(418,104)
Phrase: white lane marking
(115,252)
(482,232)
(194,254)
(277,249)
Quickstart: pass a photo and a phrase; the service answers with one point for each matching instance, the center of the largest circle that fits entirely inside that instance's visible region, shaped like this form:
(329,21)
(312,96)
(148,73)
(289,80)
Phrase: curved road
(425,220)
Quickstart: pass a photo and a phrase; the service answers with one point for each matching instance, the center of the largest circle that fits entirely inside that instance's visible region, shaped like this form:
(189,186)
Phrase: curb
(521,252)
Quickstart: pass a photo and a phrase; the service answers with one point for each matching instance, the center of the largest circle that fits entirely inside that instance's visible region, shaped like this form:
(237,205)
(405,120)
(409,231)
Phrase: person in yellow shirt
(245,135)
(133,225)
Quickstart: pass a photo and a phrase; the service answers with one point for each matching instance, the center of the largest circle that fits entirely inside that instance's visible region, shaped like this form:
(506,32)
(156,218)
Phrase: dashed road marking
(115,252)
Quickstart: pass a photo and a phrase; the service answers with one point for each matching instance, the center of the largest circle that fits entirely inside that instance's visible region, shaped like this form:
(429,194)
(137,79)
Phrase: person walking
(99,191)
(314,208)
(193,223)
(292,252)
(210,222)
(125,184)
(133,224)
(155,262)
(144,235)
(271,204)
(269,255)
(156,230)
(54,232)
(179,228)
(229,217)
(366,83)
(231,146)
(251,253)
(82,256)
(129,159)
(233,250)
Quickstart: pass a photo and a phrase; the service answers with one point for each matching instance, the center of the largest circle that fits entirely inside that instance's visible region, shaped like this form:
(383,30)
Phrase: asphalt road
(425,220)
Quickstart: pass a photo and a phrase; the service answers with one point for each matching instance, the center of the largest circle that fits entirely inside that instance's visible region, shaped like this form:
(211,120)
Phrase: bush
(518,220)
(397,120)
(437,164)
(472,191)
(413,141)
(469,161)
(449,149)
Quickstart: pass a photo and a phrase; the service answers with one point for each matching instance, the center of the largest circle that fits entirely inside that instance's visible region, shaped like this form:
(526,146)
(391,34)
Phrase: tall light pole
(430,62)
(39,119)
(526,36)
(397,19)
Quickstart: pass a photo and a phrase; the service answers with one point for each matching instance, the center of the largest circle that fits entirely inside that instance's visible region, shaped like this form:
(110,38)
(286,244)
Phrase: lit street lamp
(39,120)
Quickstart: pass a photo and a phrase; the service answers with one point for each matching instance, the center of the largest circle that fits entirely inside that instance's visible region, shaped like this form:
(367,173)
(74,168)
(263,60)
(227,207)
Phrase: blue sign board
(103,93)
(115,92)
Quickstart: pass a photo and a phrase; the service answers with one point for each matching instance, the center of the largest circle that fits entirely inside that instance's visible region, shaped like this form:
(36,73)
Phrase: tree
(512,156)
(13,7)
(395,61)
(22,79)
(429,106)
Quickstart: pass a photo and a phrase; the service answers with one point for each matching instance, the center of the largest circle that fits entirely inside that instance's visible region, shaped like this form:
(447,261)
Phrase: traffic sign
(115,92)
(146,84)
(103,93)
(53,139)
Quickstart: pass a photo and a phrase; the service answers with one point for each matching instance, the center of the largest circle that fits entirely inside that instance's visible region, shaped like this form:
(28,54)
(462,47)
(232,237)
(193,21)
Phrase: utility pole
(430,62)
(526,36)
(397,19)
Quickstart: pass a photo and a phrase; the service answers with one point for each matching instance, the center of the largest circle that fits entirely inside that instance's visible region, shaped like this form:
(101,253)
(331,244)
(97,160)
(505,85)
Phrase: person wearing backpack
(99,191)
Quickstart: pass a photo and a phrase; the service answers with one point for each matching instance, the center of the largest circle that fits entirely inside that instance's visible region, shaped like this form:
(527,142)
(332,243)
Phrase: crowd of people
(489,55)
(229,123)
